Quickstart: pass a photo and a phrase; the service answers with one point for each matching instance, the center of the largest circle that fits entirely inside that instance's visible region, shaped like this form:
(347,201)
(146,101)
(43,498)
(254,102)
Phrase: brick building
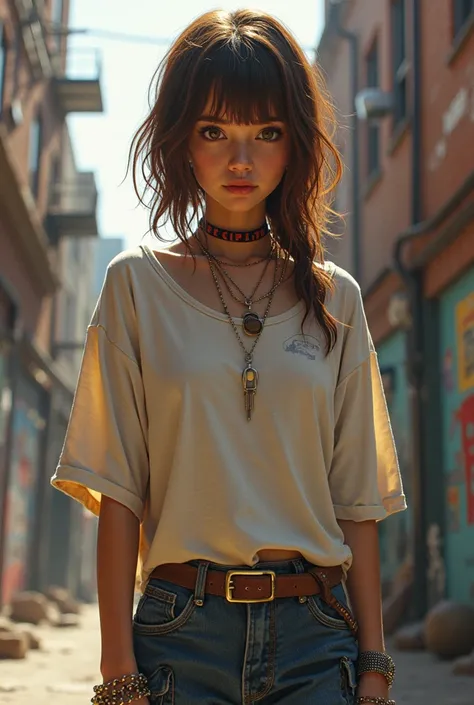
(409,240)
(47,225)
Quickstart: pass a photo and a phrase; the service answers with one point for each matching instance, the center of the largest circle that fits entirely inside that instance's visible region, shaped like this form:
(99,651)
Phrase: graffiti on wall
(465,416)
(465,342)
(463,474)
(457,355)
(21,497)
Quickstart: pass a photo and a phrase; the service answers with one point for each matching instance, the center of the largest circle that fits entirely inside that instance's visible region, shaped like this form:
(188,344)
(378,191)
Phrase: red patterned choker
(233,236)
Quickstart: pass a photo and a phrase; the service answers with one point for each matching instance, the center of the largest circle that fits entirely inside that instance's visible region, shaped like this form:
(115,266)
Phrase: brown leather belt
(252,585)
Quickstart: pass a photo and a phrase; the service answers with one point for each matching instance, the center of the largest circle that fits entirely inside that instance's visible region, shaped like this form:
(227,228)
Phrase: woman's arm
(363,585)
(117,552)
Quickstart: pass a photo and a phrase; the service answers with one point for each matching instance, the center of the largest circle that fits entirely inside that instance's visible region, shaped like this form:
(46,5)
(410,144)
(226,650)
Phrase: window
(373,130)
(399,61)
(3,62)
(36,138)
(462,11)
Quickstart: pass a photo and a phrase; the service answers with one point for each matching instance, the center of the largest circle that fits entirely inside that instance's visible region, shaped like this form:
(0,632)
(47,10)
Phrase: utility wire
(119,36)
(123,37)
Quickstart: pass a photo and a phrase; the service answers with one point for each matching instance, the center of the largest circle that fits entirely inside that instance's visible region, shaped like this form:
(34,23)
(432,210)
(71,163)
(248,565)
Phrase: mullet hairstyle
(252,68)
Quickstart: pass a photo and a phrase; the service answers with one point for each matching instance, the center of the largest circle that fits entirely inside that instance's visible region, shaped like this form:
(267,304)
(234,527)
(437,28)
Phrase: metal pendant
(252,323)
(249,381)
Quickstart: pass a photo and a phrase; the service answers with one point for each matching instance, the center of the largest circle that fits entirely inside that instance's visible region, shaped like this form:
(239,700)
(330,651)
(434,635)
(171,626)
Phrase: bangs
(244,83)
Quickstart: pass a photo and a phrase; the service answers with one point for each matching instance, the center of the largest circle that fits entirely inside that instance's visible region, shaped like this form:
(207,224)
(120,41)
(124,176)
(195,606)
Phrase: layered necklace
(252,324)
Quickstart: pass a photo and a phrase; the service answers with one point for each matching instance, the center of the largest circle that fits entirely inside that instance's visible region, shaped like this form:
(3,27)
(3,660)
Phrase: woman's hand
(109,672)
(373,685)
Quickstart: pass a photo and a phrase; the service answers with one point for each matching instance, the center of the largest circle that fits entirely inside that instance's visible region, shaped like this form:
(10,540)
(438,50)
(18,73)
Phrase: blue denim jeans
(290,651)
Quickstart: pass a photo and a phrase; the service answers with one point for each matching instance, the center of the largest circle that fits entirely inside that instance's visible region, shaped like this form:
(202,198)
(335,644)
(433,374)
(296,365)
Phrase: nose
(241,158)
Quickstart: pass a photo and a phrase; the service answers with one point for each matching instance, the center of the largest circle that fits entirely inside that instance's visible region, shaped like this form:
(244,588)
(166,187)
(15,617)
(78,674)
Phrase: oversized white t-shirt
(158,424)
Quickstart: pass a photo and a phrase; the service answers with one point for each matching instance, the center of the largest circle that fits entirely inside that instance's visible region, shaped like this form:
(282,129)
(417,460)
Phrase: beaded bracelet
(377,662)
(375,701)
(120,699)
(121,691)
(132,678)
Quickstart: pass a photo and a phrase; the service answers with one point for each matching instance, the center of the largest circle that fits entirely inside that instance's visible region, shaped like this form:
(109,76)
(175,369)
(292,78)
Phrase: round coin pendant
(252,324)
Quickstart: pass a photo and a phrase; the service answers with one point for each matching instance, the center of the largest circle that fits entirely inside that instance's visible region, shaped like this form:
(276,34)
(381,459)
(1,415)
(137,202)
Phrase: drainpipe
(354,64)
(415,335)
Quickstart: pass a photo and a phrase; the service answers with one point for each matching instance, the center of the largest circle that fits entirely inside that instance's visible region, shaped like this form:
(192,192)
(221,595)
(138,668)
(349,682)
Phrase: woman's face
(225,154)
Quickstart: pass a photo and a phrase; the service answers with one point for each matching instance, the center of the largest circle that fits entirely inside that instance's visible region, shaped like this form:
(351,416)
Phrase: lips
(241,189)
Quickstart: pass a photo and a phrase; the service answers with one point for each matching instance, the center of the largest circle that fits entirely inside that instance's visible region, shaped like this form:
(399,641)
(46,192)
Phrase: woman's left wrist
(372,684)
(377,664)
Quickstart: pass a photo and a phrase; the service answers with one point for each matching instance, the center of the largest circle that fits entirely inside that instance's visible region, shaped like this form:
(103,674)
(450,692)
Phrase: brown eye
(211,133)
(271,134)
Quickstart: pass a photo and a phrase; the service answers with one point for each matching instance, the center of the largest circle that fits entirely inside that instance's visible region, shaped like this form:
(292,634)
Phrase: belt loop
(298,565)
(200,588)
(321,577)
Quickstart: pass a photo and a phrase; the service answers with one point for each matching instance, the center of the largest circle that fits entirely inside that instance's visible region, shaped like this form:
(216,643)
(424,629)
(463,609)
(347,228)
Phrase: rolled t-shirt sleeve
(364,477)
(105,451)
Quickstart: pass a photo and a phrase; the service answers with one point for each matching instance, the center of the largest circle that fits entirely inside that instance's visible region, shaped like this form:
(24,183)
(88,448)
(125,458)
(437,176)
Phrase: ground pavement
(63,672)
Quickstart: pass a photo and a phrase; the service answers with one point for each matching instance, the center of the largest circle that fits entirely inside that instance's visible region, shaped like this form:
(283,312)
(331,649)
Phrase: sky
(101,142)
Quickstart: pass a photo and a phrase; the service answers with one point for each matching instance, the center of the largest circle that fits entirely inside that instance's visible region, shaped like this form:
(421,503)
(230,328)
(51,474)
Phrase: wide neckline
(207,310)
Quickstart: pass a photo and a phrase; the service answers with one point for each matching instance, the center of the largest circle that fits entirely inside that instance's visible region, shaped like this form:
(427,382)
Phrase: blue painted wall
(457,378)
(394,531)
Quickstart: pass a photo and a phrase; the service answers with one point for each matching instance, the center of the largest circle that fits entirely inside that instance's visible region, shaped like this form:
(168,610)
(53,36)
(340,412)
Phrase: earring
(191,165)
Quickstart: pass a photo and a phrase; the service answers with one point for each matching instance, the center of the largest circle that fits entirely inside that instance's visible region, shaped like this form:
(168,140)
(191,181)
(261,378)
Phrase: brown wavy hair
(253,68)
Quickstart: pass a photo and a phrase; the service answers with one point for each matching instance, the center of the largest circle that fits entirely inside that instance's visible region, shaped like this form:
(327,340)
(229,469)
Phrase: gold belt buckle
(229,586)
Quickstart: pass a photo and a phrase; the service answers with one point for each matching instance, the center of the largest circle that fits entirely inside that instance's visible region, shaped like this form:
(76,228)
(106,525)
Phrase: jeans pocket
(348,680)
(161,684)
(325,614)
(163,608)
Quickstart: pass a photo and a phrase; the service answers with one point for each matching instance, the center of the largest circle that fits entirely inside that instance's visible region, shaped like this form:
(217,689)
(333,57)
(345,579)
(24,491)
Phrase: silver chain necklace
(249,374)
(251,321)
(238,264)
(252,324)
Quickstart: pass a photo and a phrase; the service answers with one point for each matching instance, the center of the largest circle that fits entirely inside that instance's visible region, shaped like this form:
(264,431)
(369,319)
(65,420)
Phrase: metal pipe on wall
(421,338)
(415,334)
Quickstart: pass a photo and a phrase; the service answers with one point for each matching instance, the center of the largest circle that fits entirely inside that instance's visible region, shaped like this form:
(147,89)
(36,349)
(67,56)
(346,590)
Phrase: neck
(234,220)
(238,252)
(241,236)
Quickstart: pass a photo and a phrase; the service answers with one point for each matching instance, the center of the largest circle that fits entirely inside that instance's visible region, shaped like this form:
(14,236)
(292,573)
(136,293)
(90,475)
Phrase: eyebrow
(221,121)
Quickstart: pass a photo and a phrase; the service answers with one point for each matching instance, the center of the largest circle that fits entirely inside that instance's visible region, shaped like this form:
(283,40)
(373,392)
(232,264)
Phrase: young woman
(229,424)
